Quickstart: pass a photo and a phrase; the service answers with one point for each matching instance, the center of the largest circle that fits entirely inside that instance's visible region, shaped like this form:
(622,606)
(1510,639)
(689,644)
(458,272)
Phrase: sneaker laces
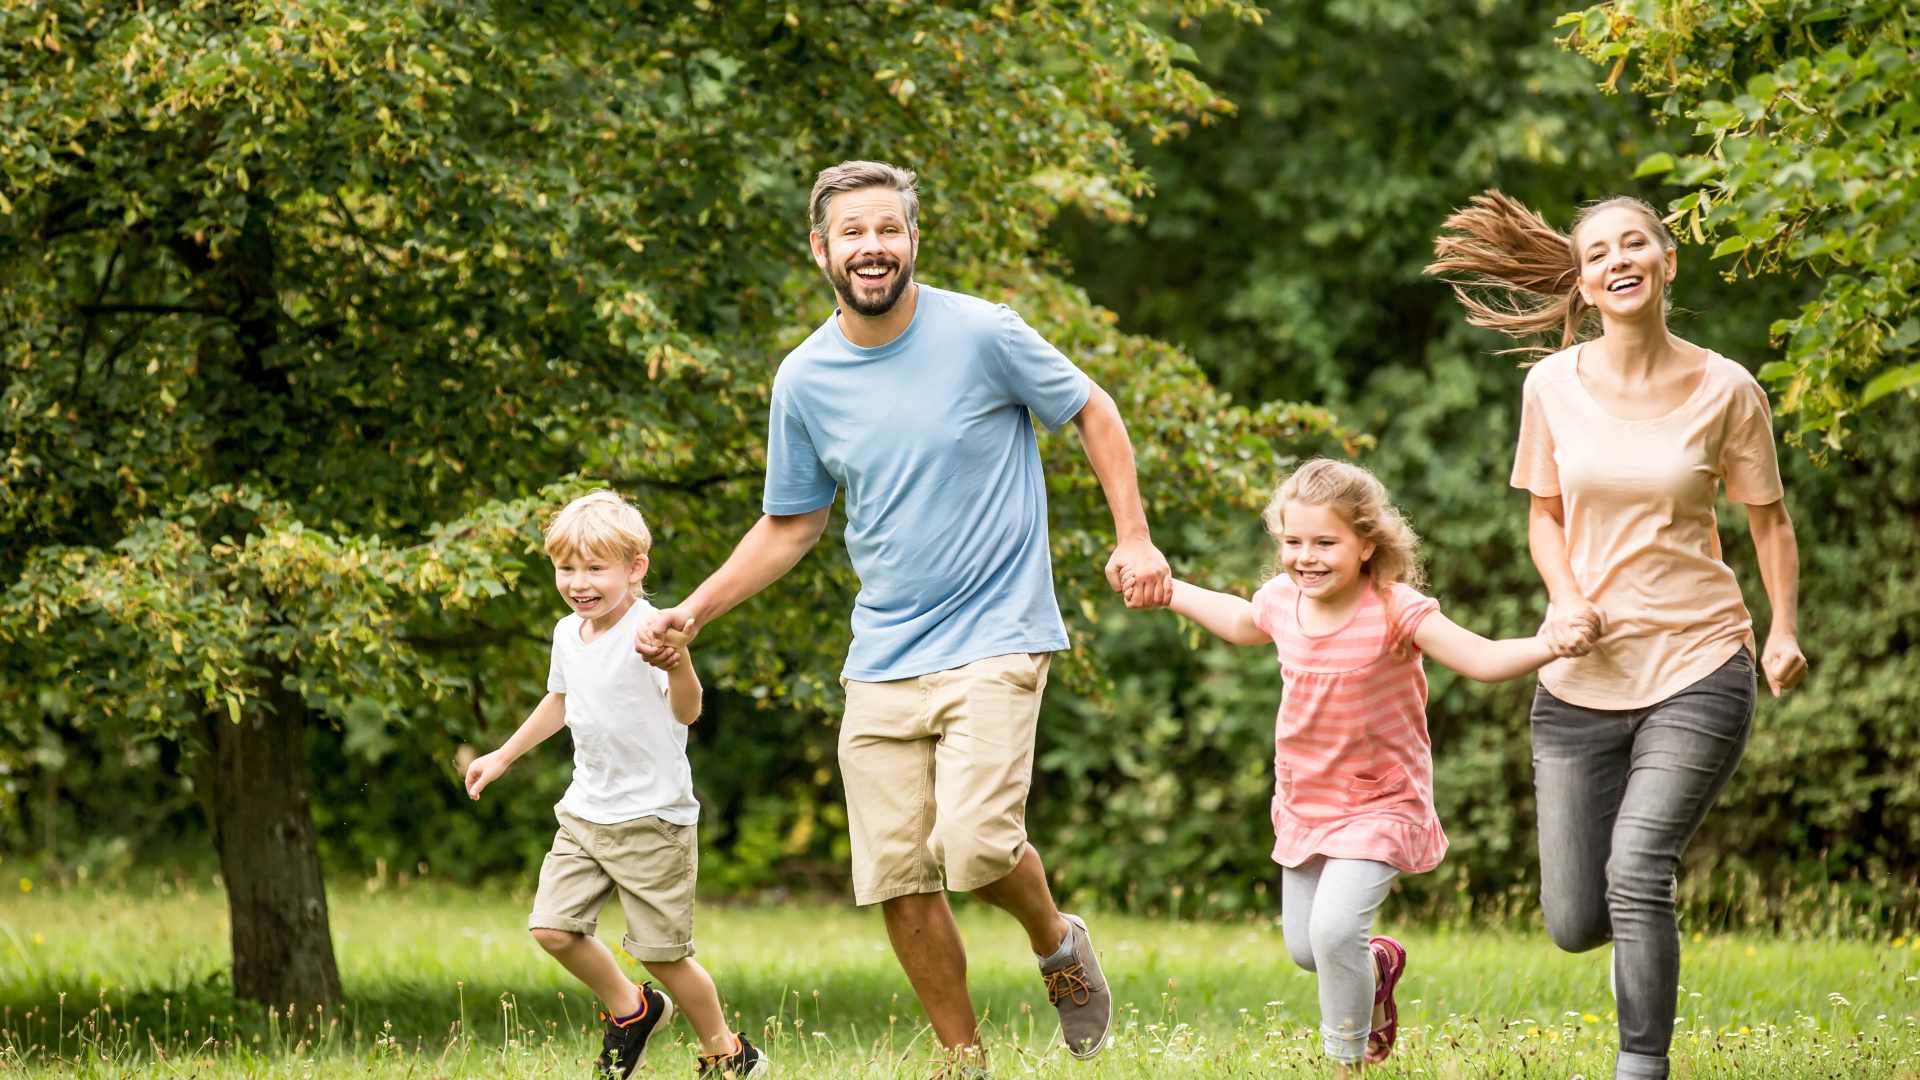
(1068,981)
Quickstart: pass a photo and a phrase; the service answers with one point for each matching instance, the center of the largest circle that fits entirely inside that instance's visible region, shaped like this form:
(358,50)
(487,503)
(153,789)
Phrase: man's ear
(818,245)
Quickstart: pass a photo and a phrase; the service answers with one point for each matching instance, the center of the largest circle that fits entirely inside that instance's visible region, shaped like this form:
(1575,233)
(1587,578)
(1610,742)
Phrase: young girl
(1353,798)
(1626,440)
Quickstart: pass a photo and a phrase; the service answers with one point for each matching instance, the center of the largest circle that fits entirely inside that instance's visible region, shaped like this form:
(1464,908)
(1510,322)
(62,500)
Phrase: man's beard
(844,284)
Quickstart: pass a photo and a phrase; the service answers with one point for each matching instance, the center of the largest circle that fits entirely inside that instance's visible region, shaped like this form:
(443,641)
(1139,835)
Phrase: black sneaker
(742,1063)
(624,1048)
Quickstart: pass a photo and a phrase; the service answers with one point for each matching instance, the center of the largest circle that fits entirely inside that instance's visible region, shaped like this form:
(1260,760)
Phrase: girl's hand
(484,770)
(1783,662)
(1574,626)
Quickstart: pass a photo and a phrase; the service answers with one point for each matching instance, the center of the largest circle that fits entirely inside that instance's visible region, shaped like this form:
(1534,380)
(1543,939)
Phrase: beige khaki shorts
(652,863)
(937,769)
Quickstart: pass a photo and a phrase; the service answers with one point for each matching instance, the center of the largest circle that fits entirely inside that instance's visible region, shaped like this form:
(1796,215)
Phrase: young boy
(627,822)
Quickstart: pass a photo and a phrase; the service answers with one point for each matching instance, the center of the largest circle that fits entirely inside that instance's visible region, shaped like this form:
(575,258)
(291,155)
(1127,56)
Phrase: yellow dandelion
(26,884)
(1589,1018)
(1745,1030)
(1899,942)
(39,940)
(1751,951)
(1698,937)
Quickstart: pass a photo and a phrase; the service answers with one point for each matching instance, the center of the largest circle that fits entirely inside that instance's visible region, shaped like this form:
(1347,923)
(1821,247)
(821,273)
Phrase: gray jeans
(1326,911)
(1620,793)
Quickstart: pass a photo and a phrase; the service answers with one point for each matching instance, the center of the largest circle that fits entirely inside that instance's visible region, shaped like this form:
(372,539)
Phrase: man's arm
(1137,567)
(770,549)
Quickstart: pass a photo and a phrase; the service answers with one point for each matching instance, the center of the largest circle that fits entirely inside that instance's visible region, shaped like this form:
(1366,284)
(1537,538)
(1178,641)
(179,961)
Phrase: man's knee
(974,856)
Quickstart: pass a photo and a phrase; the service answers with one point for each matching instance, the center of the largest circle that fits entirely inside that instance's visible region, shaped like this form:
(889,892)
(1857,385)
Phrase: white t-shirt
(629,753)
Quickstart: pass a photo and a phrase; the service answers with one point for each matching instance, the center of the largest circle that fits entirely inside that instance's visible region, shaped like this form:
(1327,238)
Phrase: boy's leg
(590,961)
(573,887)
(693,991)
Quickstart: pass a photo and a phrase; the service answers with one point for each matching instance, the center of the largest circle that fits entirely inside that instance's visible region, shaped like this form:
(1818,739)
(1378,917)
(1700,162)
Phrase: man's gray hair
(854,175)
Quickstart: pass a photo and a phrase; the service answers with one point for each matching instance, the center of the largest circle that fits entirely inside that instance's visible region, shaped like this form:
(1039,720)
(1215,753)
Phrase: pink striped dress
(1353,767)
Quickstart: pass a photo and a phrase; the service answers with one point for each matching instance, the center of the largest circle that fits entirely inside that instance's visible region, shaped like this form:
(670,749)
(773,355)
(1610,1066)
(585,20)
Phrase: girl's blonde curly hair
(1362,502)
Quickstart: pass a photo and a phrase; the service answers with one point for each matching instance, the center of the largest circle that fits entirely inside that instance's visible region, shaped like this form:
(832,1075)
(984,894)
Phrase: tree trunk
(255,789)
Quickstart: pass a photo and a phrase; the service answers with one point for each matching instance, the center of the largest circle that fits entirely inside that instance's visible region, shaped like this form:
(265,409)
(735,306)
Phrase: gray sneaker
(1076,987)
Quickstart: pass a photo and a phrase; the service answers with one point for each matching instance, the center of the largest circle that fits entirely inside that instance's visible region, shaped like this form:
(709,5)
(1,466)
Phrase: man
(916,401)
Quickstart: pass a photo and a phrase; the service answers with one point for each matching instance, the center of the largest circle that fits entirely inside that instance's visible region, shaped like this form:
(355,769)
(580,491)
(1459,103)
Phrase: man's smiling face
(867,253)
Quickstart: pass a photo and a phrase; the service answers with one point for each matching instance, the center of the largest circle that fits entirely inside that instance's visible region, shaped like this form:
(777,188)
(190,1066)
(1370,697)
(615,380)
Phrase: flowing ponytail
(1516,273)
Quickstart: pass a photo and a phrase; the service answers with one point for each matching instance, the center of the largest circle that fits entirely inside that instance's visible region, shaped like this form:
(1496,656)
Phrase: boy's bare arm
(683,687)
(547,717)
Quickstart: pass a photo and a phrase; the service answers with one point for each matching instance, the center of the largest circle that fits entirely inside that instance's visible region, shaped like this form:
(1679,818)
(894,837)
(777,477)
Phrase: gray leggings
(1620,793)
(1326,911)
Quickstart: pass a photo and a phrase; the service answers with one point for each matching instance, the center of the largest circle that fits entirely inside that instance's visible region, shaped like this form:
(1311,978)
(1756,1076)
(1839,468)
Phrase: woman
(1625,438)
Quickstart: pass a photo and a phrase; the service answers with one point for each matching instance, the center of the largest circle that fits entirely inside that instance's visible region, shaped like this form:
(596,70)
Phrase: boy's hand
(482,771)
(1135,590)
(662,639)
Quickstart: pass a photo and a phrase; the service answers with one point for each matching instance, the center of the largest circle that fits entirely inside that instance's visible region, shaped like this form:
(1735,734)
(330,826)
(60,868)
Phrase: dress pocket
(1387,787)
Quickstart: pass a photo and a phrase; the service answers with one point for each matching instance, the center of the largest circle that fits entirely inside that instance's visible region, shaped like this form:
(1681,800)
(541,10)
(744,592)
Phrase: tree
(314,307)
(1809,128)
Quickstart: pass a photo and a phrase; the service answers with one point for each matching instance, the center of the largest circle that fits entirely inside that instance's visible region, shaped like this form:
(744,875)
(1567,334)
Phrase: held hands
(1571,630)
(663,638)
(1140,574)
(1783,663)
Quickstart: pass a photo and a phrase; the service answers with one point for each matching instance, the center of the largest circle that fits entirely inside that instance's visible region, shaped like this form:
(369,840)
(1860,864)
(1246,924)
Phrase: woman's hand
(1783,662)
(1572,628)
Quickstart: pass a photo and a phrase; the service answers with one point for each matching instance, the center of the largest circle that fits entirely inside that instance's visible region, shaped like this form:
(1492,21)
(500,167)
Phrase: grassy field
(445,982)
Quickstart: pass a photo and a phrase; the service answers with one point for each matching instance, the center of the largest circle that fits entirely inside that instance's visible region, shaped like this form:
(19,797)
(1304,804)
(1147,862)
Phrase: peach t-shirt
(1641,533)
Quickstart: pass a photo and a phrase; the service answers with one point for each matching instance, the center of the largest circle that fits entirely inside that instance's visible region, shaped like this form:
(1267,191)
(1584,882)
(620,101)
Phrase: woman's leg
(1684,749)
(1350,893)
(1580,762)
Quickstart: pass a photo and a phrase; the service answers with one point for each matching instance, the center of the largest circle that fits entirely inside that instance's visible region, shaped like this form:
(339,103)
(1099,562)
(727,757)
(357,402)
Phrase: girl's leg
(693,992)
(1580,760)
(1349,895)
(1297,885)
(1684,749)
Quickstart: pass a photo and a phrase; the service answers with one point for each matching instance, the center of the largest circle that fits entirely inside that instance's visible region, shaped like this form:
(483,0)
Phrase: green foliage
(1284,250)
(315,309)
(1807,115)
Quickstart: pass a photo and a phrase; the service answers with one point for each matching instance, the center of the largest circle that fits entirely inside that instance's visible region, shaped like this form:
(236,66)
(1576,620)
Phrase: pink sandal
(1393,964)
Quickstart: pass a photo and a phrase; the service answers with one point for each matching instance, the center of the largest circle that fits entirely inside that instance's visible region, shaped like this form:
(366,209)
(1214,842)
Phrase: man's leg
(887,764)
(927,943)
(1024,894)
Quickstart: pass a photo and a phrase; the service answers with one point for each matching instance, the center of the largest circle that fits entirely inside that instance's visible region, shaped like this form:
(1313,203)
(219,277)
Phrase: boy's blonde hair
(599,523)
(1361,501)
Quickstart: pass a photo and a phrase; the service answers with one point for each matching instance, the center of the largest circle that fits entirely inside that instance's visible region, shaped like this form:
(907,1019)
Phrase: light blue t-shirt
(946,505)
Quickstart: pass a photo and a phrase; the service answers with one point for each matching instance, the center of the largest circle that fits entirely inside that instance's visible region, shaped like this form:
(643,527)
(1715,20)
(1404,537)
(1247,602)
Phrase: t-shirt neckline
(1699,388)
(874,352)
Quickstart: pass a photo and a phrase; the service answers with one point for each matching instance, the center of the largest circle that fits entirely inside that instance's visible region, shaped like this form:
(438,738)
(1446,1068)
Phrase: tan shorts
(652,863)
(937,769)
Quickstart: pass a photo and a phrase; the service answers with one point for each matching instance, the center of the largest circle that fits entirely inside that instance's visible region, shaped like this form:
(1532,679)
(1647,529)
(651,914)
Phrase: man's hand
(1783,663)
(1140,573)
(484,770)
(662,638)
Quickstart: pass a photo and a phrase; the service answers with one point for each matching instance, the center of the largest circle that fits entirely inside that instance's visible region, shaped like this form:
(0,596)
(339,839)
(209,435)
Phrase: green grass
(445,982)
